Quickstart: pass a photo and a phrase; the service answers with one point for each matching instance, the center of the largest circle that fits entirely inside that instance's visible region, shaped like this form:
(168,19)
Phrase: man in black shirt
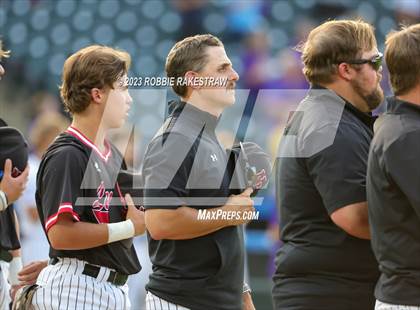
(87,220)
(198,264)
(393,181)
(326,261)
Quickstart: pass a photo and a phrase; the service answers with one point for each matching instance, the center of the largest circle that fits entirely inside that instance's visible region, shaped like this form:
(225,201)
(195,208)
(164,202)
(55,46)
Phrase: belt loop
(53,261)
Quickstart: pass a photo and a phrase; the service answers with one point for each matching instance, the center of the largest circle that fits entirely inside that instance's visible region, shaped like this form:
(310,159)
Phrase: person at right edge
(326,261)
(393,180)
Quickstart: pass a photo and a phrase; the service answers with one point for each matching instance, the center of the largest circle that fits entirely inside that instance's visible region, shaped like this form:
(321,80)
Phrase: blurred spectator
(45,102)
(244,17)
(44,130)
(128,141)
(192,14)
(407,12)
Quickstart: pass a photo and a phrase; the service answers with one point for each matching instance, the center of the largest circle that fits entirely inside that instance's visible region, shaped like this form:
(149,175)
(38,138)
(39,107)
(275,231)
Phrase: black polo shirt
(393,192)
(321,168)
(185,165)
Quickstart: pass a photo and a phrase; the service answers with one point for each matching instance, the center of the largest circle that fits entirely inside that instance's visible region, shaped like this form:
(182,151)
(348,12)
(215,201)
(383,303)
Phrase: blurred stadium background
(259,37)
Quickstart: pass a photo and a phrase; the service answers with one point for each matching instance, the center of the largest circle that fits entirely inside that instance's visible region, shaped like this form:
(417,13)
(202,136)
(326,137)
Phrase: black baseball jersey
(8,236)
(310,186)
(393,192)
(75,177)
(185,165)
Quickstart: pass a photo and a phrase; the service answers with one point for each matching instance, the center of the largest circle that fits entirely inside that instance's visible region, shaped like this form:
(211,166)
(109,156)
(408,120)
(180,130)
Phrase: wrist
(120,231)
(3,201)
(15,266)
(246,288)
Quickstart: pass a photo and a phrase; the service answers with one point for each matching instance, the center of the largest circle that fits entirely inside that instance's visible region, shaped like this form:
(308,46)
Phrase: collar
(398,106)
(194,115)
(367,118)
(86,141)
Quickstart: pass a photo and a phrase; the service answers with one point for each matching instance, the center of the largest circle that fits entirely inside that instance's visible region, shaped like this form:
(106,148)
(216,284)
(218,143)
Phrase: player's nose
(234,75)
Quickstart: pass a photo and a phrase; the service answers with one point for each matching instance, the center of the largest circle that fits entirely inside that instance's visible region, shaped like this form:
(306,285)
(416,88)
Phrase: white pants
(156,303)
(384,306)
(63,286)
(4,290)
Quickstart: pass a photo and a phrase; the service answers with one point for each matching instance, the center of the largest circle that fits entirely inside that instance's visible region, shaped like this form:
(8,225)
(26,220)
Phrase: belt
(90,270)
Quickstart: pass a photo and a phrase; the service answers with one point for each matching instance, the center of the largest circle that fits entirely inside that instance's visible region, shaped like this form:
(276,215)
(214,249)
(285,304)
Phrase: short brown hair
(402,56)
(94,66)
(333,42)
(186,55)
(3,53)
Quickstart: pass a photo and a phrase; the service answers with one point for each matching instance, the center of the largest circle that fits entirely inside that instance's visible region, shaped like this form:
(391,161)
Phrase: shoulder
(394,130)
(170,141)
(65,151)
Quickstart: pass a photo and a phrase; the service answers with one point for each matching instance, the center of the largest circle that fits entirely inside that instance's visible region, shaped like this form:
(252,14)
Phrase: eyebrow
(224,65)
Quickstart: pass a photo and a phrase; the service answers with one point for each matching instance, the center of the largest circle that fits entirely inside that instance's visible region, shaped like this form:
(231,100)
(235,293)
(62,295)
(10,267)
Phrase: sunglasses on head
(375,61)
(250,171)
(15,173)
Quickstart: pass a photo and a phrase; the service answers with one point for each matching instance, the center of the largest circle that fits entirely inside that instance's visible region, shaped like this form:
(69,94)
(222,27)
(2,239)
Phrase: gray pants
(156,303)
(384,306)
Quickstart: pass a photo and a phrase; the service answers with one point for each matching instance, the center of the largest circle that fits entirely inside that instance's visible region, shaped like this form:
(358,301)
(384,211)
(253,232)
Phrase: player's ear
(189,77)
(98,95)
(345,71)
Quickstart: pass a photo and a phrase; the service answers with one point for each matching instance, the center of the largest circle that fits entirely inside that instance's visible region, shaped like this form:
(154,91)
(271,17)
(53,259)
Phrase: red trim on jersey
(122,198)
(85,140)
(63,208)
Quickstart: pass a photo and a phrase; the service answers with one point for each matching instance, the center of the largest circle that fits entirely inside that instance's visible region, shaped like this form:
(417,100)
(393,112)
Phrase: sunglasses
(250,171)
(375,61)
(15,173)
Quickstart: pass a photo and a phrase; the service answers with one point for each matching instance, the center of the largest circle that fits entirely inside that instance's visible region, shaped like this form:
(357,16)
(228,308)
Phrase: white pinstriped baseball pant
(4,292)
(384,306)
(156,303)
(63,287)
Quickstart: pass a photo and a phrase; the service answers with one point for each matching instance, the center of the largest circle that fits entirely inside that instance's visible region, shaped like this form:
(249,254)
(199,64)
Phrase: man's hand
(247,301)
(13,290)
(135,215)
(13,187)
(241,203)
(30,272)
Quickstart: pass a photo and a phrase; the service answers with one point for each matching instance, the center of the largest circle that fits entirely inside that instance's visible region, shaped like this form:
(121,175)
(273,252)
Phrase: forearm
(16,253)
(182,223)
(17,227)
(362,231)
(353,219)
(77,235)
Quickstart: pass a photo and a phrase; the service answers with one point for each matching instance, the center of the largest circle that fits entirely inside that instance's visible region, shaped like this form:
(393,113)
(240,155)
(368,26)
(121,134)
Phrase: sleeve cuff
(63,208)
(246,288)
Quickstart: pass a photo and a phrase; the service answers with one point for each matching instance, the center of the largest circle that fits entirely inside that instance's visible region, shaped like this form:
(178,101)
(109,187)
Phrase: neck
(346,91)
(203,105)
(412,96)
(91,128)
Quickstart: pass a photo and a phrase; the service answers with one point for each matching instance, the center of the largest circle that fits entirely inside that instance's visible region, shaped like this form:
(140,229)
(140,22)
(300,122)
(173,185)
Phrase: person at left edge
(13,179)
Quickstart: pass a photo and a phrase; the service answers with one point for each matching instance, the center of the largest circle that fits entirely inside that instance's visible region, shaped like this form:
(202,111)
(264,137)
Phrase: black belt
(115,278)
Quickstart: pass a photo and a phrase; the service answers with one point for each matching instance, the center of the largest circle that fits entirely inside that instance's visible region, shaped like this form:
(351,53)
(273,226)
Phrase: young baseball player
(393,180)
(88,223)
(197,264)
